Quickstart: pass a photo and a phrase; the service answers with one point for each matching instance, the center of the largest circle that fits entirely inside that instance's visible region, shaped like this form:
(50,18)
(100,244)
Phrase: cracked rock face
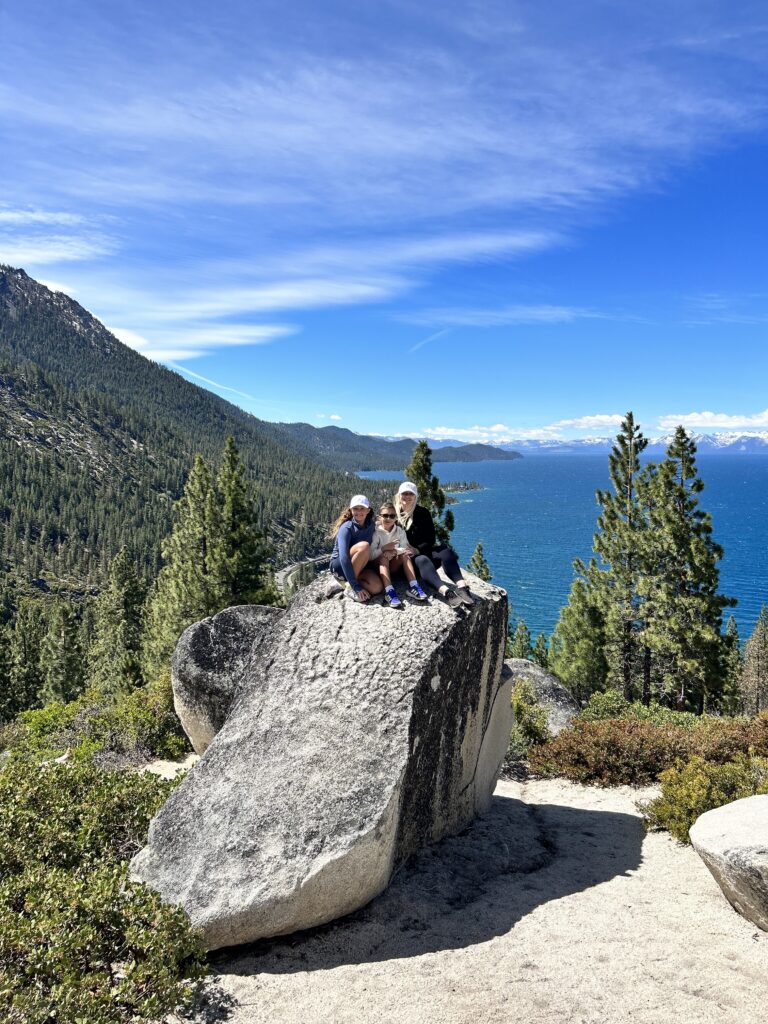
(733,842)
(356,735)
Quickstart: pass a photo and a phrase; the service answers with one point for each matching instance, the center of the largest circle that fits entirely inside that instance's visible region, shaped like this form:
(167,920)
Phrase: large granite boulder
(208,665)
(358,734)
(558,702)
(733,842)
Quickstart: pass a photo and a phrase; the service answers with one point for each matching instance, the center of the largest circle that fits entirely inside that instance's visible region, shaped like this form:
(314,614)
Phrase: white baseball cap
(359,499)
(406,487)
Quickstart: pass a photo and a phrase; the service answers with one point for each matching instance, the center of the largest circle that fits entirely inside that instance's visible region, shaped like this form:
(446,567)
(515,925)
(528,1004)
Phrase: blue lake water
(537,514)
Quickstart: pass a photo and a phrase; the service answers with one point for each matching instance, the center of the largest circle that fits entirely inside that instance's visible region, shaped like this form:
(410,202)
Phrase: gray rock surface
(208,665)
(358,735)
(558,702)
(733,843)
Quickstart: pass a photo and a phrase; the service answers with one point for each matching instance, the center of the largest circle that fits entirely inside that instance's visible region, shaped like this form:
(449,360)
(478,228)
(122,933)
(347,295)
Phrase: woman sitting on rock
(428,555)
(389,550)
(352,533)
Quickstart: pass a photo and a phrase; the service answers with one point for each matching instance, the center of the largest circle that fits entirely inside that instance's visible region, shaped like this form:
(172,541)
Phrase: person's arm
(345,542)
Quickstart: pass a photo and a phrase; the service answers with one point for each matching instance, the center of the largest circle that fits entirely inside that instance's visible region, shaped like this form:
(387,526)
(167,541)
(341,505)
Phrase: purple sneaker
(390,596)
(415,592)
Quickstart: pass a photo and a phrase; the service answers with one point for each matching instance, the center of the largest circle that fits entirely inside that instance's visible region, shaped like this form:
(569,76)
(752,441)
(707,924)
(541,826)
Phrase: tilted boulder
(358,734)
(208,666)
(558,702)
(733,842)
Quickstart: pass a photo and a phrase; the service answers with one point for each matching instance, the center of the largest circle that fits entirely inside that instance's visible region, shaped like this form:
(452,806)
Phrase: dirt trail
(555,908)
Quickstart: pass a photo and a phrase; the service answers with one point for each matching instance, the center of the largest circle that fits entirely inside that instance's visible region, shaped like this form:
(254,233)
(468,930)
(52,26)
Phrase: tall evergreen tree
(478,564)
(431,494)
(521,642)
(243,551)
(618,541)
(114,654)
(25,675)
(733,664)
(540,653)
(682,607)
(6,709)
(754,676)
(577,649)
(192,584)
(61,660)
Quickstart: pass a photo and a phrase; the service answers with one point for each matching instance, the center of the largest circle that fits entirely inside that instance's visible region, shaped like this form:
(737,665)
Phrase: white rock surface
(358,734)
(733,842)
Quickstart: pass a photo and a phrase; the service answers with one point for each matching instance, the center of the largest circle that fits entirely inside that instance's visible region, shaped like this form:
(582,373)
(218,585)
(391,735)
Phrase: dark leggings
(427,567)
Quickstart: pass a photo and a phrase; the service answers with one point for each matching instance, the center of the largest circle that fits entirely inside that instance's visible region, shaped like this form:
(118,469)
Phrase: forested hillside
(96,441)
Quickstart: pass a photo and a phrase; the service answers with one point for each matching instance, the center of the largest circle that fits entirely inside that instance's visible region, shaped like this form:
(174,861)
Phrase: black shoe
(465,595)
(452,599)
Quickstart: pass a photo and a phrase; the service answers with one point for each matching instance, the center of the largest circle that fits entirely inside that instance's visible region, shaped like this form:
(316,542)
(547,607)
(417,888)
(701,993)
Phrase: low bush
(611,704)
(530,718)
(130,730)
(79,943)
(633,752)
(688,790)
(90,948)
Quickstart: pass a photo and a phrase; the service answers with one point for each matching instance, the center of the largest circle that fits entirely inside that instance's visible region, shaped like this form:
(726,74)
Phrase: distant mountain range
(707,444)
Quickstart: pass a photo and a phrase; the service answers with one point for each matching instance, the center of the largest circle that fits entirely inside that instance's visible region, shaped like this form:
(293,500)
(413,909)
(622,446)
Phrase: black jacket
(422,532)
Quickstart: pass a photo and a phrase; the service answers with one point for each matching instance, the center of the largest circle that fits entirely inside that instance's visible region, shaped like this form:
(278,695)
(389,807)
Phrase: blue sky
(473,220)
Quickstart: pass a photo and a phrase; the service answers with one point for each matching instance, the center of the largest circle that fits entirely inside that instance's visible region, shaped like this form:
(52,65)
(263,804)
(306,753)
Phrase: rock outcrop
(209,663)
(733,842)
(357,735)
(558,702)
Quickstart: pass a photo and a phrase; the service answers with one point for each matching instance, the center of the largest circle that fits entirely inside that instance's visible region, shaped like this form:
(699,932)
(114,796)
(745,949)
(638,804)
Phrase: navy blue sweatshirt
(350,533)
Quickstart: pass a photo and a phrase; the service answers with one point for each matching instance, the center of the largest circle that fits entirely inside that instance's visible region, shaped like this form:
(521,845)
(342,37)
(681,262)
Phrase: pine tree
(540,652)
(113,657)
(478,564)
(6,711)
(576,654)
(521,642)
(682,607)
(618,541)
(431,494)
(191,586)
(25,675)
(61,660)
(733,664)
(243,548)
(754,676)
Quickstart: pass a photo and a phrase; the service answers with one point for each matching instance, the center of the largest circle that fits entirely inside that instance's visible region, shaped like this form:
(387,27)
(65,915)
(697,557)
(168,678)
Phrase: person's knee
(362,547)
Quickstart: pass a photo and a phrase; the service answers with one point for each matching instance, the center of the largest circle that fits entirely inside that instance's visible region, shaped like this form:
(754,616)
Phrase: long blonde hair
(345,516)
(405,519)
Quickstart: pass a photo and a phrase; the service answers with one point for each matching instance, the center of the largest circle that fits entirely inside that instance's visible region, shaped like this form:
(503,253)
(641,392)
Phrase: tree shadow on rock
(464,890)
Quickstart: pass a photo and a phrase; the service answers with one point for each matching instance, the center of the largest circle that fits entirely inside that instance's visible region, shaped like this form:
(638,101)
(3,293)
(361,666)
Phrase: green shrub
(131,730)
(604,704)
(634,752)
(70,814)
(91,948)
(79,944)
(530,718)
(611,704)
(688,790)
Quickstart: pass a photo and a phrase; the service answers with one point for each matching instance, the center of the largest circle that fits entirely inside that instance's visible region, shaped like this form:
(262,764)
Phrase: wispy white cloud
(334,416)
(211,383)
(169,345)
(747,310)
(43,250)
(36,217)
(600,421)
(429,338)
(502,433)
(714,421)
(506,316)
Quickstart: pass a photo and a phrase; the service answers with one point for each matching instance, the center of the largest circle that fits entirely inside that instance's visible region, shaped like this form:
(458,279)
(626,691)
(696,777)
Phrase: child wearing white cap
(352,533)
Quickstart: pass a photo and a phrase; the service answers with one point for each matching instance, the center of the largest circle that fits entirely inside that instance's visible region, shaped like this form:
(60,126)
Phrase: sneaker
(390,596)
(464,595)
(353,595)
(415,591)
(452,599)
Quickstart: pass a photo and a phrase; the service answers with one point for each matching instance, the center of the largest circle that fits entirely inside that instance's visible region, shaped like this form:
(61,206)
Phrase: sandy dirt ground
(554,908)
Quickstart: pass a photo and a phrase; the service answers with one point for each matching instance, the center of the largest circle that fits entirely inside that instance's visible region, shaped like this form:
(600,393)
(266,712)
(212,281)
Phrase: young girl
(389,549)
(352,533)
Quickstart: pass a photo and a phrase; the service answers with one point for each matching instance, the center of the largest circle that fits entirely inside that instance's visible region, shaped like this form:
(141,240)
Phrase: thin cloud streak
(507,316)
(432,337)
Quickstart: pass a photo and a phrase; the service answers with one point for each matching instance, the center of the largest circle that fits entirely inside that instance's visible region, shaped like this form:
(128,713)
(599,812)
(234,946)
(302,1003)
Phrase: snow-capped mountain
(748,443)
